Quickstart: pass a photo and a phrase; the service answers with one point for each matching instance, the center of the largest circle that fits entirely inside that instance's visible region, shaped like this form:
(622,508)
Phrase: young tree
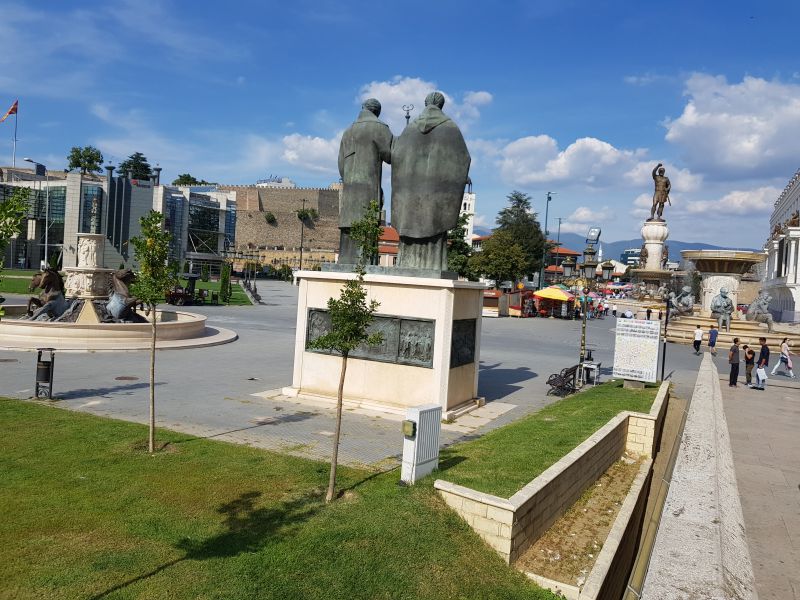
(520,221)
(459,249)
(155,276)
(502,258)
(12,214)
(137,164)
(225,282)
(87,158)
(351,316)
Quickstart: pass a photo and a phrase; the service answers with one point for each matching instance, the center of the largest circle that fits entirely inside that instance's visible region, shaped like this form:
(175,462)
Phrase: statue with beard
(430,168)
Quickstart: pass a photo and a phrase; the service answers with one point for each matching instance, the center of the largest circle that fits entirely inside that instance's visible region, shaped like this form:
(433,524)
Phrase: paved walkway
(765,437)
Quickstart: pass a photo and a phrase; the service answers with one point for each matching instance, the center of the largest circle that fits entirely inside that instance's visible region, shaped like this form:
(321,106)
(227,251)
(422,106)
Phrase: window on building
(91,209)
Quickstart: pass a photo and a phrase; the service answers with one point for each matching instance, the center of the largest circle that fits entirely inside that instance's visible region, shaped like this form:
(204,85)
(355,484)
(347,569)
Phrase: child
(712,339)
(749,363)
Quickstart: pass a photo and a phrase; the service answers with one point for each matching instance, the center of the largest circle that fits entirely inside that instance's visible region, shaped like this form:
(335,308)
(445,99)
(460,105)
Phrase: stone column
(654,234)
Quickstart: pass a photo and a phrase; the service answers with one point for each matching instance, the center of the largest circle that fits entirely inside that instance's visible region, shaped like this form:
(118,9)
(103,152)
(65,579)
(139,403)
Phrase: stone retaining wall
(511,525)
(701,549)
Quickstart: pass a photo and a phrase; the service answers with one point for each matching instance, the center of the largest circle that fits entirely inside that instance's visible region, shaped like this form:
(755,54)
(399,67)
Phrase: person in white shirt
(698,338)
(784,359)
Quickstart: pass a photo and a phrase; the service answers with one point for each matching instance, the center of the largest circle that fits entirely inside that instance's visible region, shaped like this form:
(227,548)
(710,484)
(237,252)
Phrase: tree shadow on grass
(248,528)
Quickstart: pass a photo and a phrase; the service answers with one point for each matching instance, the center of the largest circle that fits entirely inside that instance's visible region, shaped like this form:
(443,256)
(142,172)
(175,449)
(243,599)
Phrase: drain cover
(8,360)
(126,378)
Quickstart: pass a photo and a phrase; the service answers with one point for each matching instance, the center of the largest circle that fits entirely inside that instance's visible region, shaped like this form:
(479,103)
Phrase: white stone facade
(782,279)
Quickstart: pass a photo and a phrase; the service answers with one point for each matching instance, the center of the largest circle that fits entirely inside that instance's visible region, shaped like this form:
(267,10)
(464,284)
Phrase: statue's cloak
(365,145)
(430,166)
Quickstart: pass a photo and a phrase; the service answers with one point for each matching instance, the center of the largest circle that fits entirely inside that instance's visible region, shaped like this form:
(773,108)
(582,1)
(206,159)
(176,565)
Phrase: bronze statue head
(435,98)
(373,106)
(127,276)
(661,171)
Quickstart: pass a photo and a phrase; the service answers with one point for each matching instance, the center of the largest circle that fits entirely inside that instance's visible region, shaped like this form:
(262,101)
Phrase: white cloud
(758,201)
(589,161)
(742,130)
(312,153)
(483,221)
(584,217)
(682,180)
(647,78)
(404,91)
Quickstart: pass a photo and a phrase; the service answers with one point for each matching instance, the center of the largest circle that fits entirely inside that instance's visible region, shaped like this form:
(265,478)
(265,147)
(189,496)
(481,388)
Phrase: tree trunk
(335,457)
(151,441)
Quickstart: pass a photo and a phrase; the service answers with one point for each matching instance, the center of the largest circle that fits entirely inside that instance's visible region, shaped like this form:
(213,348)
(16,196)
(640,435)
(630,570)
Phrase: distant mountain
(613,250)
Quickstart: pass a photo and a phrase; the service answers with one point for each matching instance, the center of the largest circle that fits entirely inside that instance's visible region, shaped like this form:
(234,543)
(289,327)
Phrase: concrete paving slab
(770,490)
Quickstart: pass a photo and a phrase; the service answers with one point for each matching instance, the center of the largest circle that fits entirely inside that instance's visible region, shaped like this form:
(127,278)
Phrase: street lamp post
(544,246)
(46,209)
(589,268)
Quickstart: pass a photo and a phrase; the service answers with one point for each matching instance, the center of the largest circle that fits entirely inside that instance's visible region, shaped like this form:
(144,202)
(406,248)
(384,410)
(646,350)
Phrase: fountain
(92,322)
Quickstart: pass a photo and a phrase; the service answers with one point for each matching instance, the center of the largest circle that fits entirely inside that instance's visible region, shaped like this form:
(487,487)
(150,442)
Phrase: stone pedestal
(89,280)
(650,271)
(654,234)
(431,348)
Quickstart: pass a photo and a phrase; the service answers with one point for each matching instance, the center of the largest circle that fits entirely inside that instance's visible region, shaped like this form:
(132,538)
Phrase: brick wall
(511,525)
(253,203)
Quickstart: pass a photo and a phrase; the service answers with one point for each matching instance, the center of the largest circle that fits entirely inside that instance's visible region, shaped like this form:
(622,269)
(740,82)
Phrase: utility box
(421,442)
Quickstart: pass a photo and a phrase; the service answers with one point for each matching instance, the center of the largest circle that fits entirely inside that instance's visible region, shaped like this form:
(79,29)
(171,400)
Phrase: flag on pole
(11,111)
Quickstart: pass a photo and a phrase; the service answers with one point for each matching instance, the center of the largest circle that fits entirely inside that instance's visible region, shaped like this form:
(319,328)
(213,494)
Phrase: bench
(565,382)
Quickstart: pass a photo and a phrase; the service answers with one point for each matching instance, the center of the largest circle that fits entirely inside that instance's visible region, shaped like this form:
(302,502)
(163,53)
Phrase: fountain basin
(176,329)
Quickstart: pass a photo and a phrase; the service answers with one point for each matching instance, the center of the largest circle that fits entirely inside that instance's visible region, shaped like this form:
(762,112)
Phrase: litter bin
(44,373)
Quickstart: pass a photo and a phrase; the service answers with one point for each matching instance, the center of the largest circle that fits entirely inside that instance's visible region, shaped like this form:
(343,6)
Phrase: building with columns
(782,279)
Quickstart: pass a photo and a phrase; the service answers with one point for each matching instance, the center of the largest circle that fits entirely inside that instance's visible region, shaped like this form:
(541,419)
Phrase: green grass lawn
(504,460)
(238,297)
(10,285)
(21,272)
(87,513)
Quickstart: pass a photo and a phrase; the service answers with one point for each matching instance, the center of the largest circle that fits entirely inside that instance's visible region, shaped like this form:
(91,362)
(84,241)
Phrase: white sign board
(636,349)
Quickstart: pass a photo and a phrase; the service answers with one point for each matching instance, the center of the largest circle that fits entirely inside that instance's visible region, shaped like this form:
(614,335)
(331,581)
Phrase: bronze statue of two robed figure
(430,170)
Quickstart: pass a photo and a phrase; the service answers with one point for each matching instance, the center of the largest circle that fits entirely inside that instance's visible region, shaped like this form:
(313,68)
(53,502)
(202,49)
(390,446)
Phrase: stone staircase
(681,330)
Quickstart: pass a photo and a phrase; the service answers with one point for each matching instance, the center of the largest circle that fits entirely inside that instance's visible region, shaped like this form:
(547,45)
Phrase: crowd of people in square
(752,361)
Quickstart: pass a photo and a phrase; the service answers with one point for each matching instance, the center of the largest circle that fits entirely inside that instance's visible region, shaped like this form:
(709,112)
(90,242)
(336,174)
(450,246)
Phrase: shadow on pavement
(495,383)
(115,389)
(280,420)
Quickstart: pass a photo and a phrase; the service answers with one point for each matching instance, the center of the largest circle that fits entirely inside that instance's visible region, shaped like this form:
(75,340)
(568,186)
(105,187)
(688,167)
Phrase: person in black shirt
(733,360)
(763,363)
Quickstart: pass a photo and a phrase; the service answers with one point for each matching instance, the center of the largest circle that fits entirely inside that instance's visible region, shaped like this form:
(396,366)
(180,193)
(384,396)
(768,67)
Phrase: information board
(636,349)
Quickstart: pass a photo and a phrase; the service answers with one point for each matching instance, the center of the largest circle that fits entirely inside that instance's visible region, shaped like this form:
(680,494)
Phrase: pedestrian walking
(761,365)
(649,312)
(785,358)
(698,338)
(749,363)
(614,310)
(733,361)
(712,339)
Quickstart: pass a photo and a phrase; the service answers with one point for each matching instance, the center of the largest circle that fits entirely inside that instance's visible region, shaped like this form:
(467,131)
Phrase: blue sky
(578,98)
